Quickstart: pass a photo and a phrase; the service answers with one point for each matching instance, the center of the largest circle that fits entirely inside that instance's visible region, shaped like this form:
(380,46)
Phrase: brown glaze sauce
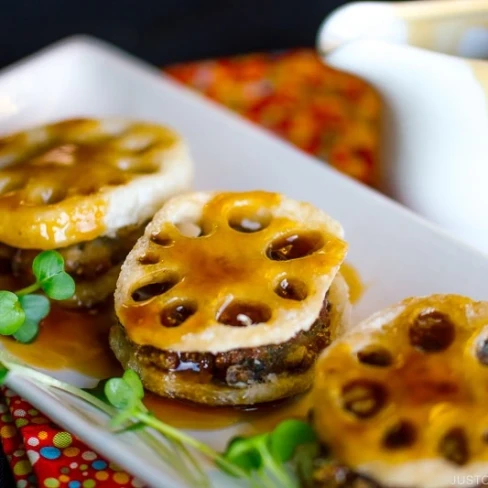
(79,341)
(354,281)
(70,340)
(260,418)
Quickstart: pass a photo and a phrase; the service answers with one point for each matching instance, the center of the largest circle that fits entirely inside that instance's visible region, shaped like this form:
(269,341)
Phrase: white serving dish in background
(397,253)
(418,55)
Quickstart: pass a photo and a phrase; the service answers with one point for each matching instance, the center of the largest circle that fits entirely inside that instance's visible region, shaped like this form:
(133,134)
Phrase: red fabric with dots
(42,455)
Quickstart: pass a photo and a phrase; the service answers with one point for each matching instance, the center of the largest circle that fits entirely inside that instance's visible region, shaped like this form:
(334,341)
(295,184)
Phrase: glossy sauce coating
(70,340)
(354,282)
(414,389)
(225,266)
(54,179)
(259,418)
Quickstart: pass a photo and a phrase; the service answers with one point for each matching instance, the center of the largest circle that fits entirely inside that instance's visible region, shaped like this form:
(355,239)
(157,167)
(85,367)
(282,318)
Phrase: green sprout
(265,455)
(126,394)
(261,459)
(22,311)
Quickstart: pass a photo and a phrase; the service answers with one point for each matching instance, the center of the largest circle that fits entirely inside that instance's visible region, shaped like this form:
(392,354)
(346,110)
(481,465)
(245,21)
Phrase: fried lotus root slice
(402,398)
(78,179)
(220,271)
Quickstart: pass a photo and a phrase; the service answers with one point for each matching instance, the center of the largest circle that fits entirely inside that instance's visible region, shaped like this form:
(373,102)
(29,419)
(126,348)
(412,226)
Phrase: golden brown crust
(401,397)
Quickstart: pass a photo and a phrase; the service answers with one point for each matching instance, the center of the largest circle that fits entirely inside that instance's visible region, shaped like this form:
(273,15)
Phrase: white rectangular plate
(397,253)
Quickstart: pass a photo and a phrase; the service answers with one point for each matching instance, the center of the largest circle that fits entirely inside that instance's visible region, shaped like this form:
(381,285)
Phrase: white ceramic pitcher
(425,59)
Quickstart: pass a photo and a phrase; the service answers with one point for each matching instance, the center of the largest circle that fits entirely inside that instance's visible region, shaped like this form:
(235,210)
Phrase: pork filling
(86,260)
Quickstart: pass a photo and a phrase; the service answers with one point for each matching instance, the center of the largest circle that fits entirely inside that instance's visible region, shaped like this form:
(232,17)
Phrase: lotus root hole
(482,352)
(152,290)
(10,184)
(242,314)
(116,181)
(432,332)
(137,143)
(136,165)
(46,195)
(292,289)
(148,258)
(363,398)
(143,168)
(192,229)
(175,314)
(295,246)
(454,446)
(161,240)
(401,435)
(87,190)
(249,220)
(124,164)
(375,356)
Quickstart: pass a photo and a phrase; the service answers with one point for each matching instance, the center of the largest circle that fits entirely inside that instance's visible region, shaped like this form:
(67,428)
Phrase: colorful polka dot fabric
(326,113)
(40,454)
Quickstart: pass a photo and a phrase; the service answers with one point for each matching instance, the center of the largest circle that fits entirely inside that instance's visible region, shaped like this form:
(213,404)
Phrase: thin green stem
(264,480)
(256,483)
(130,428)
(196,465)
(32,374)
(278,472)
(178,435)
(203,478)
(171,457)
(28,289)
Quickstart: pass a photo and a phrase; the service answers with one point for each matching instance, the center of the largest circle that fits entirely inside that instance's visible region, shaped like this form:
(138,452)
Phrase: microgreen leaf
(48,268)
(289,434)
(12,316)
(59,287)
(135,383)
(242,452)
(119,393)
(36,307)
(28,331)
(131,428)
(47,264)
(21,312)
(3,373)
(98,391)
